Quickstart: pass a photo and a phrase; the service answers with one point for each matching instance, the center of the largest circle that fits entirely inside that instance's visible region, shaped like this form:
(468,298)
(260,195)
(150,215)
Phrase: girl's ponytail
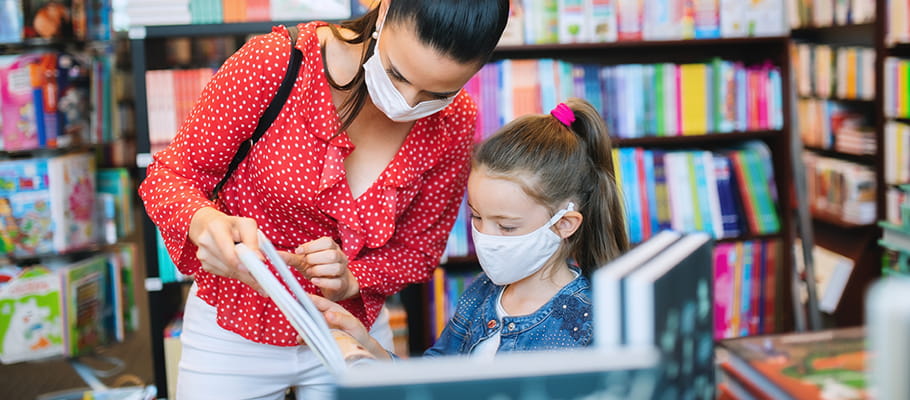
(603,237)
(560,157)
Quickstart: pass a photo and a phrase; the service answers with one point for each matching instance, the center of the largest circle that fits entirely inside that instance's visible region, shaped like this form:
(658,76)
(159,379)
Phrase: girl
(545,213)
(357,180)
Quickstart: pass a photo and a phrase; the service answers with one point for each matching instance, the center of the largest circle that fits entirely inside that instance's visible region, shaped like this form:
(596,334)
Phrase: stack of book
(67,309)
(636,100)
(896,238)
(659,295)
(580,21)
(841,188)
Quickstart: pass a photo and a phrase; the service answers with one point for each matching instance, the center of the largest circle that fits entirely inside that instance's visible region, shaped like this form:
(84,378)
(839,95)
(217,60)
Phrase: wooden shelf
(837,220)
(751,50)
(857,102)
(194,30)
(752,236)
(711,139)
(867,159)
(898,50)
(853,34)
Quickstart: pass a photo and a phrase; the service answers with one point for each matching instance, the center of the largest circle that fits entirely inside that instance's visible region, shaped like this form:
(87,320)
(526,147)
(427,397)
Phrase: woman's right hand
(215,233)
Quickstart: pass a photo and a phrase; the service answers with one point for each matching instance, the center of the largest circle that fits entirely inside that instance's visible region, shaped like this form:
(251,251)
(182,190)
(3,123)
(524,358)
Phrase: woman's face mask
(389,100)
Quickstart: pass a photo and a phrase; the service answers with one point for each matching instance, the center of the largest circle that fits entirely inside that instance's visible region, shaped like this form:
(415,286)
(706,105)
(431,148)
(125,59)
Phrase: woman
(360,175)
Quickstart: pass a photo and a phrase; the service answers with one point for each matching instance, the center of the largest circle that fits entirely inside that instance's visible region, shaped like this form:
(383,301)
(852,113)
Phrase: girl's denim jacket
(564,322)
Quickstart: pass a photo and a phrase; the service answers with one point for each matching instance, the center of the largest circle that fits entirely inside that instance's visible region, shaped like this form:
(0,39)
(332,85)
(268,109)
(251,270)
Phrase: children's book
(87,307)
(117,182)
(20,115)
(26,222)
(11,20)
(293,302)
(284,10)
(31,316)
(564,374)
(827,364)
(72,188)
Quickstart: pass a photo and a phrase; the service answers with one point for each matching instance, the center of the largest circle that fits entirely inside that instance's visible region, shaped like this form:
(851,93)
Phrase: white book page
(297,308)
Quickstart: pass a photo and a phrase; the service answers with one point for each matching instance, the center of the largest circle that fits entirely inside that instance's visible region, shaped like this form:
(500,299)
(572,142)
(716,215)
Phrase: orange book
(525,88)
(234,10)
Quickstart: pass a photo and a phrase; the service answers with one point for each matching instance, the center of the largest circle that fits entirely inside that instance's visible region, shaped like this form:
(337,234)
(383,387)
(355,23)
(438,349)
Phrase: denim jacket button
(491,324)
(511,326)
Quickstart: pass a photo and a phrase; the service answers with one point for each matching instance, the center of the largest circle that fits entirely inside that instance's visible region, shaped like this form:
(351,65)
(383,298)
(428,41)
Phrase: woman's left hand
(323,263)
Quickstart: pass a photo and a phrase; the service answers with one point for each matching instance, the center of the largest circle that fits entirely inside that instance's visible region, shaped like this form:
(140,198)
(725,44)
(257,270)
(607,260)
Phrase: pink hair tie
(563,114)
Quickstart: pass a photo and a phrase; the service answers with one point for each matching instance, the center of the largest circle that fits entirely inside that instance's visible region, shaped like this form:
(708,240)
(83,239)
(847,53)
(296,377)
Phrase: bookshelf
(894,44)
(854,236)
(66,192)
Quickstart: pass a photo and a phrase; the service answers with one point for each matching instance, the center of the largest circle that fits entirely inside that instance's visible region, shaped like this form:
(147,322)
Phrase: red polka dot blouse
(293,184)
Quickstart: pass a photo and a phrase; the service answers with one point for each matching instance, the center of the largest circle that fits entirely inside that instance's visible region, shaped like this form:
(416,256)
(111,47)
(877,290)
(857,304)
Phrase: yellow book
(737,264)
(439,299)
(851,74)
(693,96)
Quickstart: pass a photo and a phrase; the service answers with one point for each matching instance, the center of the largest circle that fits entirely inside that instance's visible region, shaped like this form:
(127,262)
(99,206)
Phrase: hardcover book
(804,365)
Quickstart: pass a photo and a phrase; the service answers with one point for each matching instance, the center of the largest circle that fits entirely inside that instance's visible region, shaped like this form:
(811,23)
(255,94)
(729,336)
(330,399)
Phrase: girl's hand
(214,233)
(323,263)
(340,319)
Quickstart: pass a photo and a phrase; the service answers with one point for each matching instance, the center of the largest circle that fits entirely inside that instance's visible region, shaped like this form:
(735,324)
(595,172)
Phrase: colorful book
(804,365)
(86,305)
(31,316)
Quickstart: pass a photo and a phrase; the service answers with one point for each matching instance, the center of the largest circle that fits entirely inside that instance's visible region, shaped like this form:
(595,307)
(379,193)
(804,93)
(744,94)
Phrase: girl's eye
(507,228)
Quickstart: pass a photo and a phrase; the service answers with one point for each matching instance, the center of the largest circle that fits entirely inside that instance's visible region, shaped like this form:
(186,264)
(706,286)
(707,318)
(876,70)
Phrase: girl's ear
(568,224)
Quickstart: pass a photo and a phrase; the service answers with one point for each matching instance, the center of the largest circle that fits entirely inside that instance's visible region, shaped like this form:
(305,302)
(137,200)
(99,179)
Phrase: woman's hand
(323,263)
(341,319)
(215,233)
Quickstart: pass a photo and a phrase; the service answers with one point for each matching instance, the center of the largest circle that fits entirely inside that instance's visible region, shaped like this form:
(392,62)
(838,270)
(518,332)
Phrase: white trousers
(219,364)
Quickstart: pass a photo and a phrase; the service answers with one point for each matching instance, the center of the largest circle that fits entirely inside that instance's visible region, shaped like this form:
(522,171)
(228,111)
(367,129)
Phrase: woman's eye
(394,75)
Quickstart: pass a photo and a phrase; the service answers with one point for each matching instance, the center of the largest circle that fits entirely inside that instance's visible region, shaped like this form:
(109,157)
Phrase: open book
(295,305)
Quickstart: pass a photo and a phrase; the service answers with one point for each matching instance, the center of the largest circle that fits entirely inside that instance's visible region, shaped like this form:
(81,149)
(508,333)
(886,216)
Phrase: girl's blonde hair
(554,164)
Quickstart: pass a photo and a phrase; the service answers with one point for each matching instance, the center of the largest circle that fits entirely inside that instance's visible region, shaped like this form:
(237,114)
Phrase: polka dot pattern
(293,184)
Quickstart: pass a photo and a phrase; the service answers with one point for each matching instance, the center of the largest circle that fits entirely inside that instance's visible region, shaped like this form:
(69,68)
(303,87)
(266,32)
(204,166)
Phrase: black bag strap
(271,112)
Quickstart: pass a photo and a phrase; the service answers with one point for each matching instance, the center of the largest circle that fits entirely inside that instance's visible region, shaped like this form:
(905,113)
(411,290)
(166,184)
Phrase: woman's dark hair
(466,30)
(554,164)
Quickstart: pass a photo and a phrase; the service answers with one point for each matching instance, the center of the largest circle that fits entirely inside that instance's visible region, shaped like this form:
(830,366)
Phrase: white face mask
(389,100)
(508,259)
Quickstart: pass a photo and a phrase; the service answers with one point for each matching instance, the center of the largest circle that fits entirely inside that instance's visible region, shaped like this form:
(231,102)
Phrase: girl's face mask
(508,259)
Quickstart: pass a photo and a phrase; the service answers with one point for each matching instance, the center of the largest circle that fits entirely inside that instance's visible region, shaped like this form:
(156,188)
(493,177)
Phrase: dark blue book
(668,303)
(730,213)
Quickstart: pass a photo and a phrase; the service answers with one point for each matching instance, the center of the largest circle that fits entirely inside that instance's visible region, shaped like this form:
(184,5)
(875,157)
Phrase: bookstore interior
(761,149)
